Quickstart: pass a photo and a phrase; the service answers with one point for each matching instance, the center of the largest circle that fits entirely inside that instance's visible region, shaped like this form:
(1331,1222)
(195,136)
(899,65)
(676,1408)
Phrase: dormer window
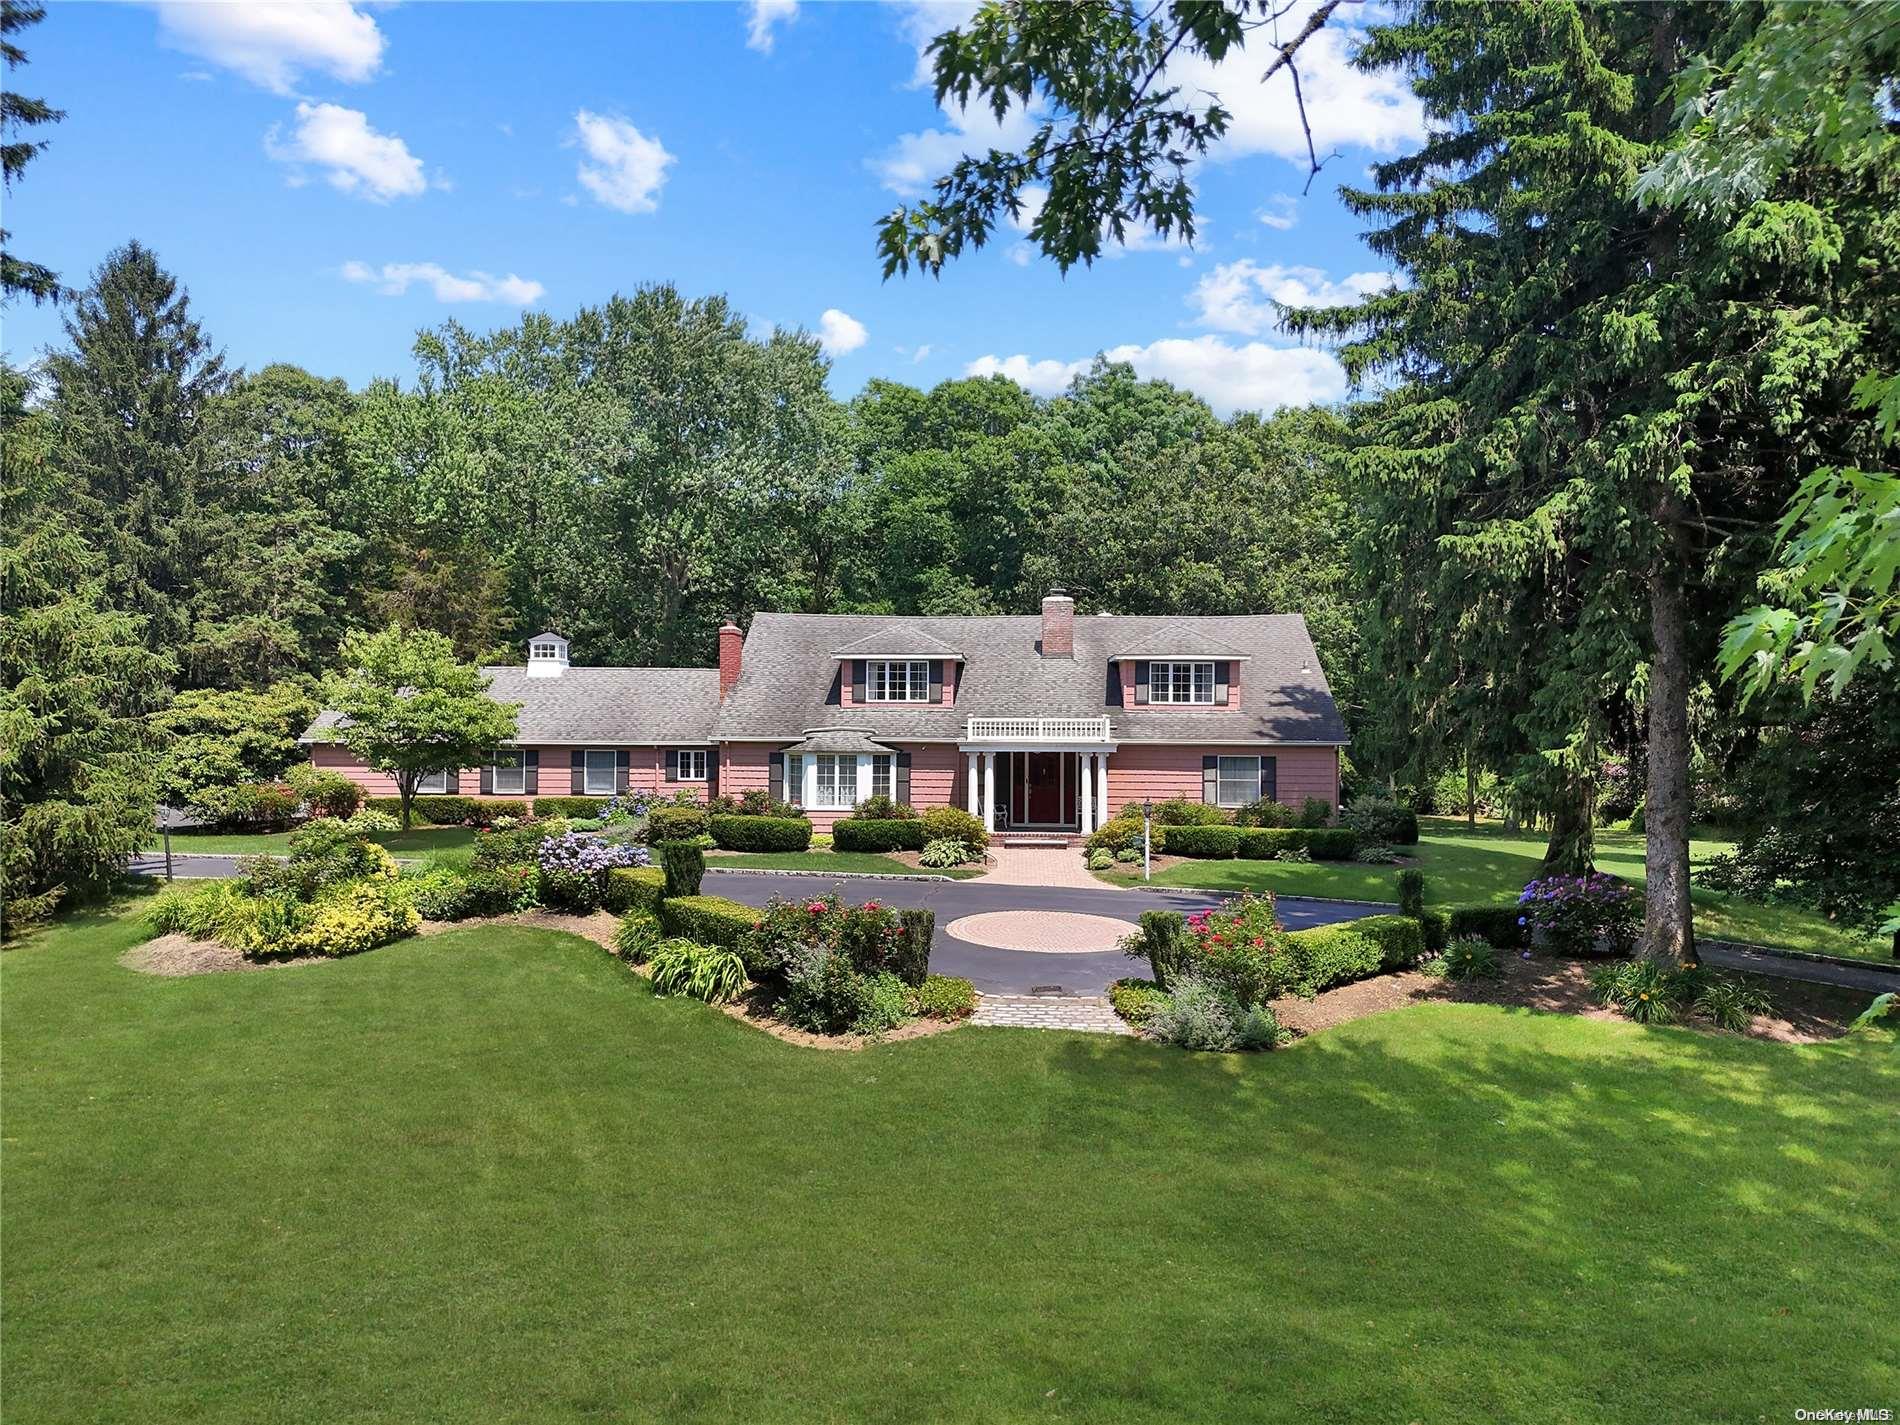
(1181,683)
(897,680)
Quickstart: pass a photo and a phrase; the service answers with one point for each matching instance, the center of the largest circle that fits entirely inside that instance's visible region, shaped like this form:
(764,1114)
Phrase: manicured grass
(821,863)
(417,841)
(1489,864)
(487,1176)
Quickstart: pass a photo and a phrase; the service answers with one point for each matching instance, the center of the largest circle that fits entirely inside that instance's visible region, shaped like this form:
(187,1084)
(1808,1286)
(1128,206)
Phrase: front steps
(1038,838)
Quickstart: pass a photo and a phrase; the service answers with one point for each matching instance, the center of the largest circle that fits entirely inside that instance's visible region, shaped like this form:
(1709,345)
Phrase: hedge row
(1354,949)
(760,833)
(569,806)
(1257,843)
(635,888)
(448,811)
(710,920)
(852,833)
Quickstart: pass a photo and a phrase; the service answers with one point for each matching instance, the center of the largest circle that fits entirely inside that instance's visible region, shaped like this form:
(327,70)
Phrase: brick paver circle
(1046,931)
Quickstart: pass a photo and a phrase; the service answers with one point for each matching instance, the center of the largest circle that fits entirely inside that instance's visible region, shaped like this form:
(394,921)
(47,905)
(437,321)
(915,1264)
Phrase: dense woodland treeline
(1602,383)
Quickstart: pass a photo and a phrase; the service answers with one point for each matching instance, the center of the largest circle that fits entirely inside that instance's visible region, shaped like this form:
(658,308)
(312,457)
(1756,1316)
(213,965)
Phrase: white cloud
(271,44)
(910,165)
(1228,377)
(839,332)
(1282,212)
(763,17)
(922,353)
(1347,107)
(628,169)
(393,279)
(359,160)
(1240,296)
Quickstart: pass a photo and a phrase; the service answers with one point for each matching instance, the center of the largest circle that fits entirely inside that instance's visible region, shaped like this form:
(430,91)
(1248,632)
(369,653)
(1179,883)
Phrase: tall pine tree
(20,116)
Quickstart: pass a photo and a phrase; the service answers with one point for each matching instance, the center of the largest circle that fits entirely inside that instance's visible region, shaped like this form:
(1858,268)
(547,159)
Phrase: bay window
(897,681)
(1181,683)
(882,784)
(837,780)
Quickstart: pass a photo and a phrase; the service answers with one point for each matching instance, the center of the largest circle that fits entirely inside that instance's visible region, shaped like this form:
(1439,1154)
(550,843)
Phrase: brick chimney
(1058,625)
(731,641)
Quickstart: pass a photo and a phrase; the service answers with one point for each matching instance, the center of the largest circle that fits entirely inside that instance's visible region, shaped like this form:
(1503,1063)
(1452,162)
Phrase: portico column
(1085,771)
(1103,810)
(989,791)
(972,788)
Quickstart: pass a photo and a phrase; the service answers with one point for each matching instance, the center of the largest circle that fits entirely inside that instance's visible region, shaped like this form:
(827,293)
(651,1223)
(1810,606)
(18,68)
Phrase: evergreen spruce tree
(19,115)
(1601,408)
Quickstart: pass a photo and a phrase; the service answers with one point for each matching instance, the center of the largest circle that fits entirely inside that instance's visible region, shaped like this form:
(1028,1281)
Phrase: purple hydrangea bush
(574,867)
(1576,915)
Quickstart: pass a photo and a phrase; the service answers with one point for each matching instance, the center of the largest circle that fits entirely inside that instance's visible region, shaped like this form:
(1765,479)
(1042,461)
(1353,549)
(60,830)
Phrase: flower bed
(1580,915)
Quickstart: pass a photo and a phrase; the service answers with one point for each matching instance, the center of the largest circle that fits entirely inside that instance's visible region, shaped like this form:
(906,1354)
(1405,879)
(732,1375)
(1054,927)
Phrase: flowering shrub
(1234,949)
(574,867)
(1575,912)
(832,961)
(1200,1014)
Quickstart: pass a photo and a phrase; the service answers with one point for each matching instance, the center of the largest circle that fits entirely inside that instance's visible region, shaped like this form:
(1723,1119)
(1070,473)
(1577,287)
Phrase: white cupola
(547,655)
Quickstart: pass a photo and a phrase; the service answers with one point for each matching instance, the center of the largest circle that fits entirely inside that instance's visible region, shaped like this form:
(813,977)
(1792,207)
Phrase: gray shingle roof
(1179,643)
(605,706)
(838,739)
(787,673)
(897,639)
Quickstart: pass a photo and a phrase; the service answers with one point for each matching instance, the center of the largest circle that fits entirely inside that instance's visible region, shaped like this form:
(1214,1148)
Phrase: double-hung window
(897,680)
(882,784)
(1239,781)
(1181,683)
(438,782)
(597,777)
(692,764)
(795,778)
(510,774)
(837,780)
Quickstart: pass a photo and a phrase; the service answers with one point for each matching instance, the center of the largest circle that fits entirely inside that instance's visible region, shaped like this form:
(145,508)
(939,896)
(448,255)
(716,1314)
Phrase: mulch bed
(174,955)
(1805,1013)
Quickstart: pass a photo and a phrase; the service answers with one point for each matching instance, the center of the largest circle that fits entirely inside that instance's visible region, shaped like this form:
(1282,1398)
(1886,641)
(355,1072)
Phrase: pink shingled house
(1040,724)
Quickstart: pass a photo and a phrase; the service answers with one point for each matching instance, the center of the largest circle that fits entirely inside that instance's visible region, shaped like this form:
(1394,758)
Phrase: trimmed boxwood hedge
(446,810)
(1213,842)
(634,888)
(1497,924)
(1435,926)
(1401,940)
(710,920)
(675,823)
(852,833)
(569,806)
(760,833)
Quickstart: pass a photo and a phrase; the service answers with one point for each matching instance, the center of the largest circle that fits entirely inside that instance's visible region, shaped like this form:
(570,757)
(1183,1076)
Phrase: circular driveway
(1054,932)
(996,970)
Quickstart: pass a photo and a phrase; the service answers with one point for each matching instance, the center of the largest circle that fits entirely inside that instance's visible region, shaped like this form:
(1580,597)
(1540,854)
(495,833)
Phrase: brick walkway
(1089,1014)
(1040,866)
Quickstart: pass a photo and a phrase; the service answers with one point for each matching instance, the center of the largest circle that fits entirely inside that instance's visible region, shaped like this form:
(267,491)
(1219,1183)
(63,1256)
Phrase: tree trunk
(1668,923)
(1471,793)
(1572,848)
(406,791)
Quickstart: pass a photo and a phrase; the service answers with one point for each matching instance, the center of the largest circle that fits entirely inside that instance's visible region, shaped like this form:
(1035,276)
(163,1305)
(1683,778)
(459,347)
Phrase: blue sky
(329,177)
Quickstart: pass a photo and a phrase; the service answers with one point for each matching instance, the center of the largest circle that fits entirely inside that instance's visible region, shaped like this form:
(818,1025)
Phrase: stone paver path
(1040,866)
(1088,1013)
(1058,932)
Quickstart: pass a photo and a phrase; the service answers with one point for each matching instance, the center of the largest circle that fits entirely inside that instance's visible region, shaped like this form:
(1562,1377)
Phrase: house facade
(1042,724)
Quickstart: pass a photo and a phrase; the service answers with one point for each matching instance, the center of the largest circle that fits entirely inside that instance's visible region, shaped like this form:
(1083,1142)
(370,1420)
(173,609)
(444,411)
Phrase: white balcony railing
(1036,729)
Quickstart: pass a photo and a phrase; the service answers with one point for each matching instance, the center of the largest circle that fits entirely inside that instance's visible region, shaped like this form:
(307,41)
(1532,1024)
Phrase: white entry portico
(1038,773)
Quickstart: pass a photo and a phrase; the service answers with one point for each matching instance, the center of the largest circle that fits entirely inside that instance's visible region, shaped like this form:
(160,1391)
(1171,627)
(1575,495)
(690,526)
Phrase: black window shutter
(903,776)
(712,771)
(1270,778)
(578,768)
(488,781)
(1220,684)
(531,760)
(776,785)
(1210,780)
(672,764)
(936,681)
(620,770)
(860,681)
(1141,683)
(1114,694)
(837,679)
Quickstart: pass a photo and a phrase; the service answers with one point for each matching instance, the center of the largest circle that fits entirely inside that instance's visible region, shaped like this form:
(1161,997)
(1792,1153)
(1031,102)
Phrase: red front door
(1045,788)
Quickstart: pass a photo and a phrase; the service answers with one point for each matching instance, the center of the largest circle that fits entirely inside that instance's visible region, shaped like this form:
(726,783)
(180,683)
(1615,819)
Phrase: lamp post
(1147,840)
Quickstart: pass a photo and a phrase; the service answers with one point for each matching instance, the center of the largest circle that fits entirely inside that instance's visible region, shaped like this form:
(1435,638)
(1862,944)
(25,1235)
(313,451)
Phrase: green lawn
(448,844)
(821,863)
(1489,864)
(487,1176)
